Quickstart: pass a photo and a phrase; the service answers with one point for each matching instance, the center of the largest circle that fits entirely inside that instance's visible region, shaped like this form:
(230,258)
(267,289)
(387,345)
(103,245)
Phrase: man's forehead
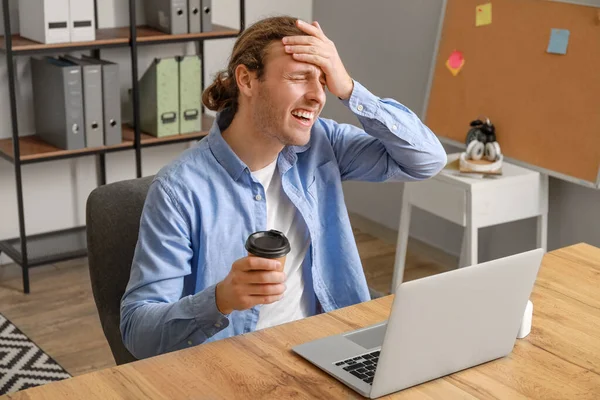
(286,63)
(297,67)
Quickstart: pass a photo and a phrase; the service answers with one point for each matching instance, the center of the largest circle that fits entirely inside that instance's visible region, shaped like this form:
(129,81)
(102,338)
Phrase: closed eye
(303,79)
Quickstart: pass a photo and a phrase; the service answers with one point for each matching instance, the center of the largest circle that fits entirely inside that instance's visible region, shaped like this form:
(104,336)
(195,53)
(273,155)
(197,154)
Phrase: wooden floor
(60,316)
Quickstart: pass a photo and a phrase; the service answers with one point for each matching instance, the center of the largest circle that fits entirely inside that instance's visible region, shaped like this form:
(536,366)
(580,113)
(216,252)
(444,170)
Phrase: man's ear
(245,79)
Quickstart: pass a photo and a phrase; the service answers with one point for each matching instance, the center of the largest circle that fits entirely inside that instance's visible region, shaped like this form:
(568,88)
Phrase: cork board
(546,107)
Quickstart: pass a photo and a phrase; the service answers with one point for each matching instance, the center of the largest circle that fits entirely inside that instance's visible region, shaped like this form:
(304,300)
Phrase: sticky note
(559,40)
(483,14)
(455,62)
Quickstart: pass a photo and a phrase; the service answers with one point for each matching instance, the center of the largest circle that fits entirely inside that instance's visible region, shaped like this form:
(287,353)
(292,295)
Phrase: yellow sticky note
(483,14)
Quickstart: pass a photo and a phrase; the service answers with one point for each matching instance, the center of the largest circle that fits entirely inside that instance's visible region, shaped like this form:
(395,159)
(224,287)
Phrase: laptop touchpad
(369,338)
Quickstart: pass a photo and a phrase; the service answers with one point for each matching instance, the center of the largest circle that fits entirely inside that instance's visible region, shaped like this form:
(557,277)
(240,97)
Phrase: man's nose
(316,92)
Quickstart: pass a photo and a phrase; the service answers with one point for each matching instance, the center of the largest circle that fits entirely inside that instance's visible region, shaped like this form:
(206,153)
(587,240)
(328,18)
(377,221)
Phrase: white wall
(388,46)
(55,192)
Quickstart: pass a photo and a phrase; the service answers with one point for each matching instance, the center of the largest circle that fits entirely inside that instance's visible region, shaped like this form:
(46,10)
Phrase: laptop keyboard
(362,367)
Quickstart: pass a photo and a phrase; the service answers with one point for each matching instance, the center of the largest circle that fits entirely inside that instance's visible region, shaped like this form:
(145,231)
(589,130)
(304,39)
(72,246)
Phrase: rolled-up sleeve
(394,145)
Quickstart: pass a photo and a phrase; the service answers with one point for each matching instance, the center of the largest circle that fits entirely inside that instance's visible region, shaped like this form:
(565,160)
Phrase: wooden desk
(559,359)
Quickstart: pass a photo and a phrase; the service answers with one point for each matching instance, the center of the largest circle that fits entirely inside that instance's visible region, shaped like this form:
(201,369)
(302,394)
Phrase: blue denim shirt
(201,208)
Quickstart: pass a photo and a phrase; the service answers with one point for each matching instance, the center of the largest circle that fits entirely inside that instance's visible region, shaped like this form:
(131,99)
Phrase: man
(269,162)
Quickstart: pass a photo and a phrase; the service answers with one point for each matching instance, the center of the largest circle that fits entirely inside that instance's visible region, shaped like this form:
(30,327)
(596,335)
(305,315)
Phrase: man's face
(289,98)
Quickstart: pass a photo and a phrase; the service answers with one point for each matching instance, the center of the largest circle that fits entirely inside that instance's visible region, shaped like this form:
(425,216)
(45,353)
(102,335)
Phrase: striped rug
(22,363)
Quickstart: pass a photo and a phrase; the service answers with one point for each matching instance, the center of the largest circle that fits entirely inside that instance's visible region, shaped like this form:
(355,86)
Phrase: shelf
(33,149)
(47,248)
(107,37)
(146,35)
(114,37)
(149,140)
(66,244)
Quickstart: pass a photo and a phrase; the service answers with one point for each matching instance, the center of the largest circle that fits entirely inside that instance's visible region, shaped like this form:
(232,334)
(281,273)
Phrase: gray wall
(388,46)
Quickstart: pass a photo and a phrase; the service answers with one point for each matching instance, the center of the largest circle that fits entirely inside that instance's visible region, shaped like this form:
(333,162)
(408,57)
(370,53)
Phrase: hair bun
(219,95)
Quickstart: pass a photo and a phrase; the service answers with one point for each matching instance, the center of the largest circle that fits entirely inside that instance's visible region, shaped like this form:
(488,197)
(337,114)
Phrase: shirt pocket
(323,176)
(326,191)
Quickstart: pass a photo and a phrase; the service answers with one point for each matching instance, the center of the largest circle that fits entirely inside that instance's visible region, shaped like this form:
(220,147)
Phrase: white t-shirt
(284,217)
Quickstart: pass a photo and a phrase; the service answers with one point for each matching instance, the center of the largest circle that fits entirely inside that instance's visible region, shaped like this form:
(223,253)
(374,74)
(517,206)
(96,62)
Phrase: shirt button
(190,342)
(394,127)
(218,324)
(258,197)
(360,107)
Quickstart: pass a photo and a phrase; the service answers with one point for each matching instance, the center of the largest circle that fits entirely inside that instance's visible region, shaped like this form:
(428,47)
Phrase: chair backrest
(113,215)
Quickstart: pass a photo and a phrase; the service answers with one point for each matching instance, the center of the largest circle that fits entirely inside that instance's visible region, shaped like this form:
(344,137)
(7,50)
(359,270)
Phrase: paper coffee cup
(268,244)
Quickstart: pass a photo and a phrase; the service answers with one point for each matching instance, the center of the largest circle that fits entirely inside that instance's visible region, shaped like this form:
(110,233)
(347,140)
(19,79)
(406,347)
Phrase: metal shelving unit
(35,250)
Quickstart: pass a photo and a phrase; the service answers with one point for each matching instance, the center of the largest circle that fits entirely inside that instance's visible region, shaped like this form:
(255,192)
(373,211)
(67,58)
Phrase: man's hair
(250,49)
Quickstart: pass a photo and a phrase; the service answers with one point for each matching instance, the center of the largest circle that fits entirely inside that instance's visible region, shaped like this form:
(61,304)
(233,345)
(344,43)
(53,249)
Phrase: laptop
(437,325)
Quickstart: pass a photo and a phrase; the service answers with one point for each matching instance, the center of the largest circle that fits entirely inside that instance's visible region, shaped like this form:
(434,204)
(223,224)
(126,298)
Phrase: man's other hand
(317,49)
(251,281)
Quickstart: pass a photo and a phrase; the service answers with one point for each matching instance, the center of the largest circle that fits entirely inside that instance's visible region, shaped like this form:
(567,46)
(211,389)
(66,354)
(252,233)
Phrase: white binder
(45,21)
(82,22)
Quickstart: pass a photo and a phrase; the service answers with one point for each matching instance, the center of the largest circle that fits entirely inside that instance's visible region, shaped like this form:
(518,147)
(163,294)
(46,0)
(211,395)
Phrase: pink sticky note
(456,59)
(455,62)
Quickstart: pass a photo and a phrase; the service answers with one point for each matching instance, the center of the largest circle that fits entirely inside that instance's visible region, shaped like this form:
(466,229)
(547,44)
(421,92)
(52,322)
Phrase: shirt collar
(227,157)
(221,150)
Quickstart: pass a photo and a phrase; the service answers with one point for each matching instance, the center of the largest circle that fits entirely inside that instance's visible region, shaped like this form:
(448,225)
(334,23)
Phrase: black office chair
(112,217)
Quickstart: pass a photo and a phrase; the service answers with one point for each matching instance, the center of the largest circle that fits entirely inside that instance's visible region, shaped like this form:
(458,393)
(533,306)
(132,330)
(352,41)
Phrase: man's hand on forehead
(317,49)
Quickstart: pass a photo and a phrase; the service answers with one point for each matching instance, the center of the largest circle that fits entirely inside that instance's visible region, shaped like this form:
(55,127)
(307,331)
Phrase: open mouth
(303,116)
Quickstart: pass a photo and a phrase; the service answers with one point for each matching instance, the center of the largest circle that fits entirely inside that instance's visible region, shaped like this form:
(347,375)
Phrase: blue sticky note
(559,40)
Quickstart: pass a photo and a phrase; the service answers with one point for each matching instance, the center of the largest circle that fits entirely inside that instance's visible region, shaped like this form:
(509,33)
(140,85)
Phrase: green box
(190,94)
(159,98)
